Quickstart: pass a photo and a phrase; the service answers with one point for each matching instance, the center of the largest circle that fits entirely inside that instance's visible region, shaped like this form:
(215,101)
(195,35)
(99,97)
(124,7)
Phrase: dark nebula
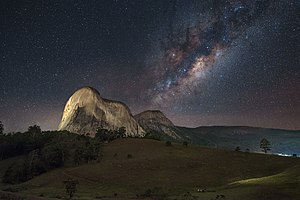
(229,62)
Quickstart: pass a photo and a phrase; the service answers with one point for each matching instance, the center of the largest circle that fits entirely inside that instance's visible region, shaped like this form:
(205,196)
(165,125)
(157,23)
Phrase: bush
(188,196)
(129,156)
(168,143)
(237,148)
(71,186)
(185,144)
(155,193)
(1,128)
(54,155)
(153,136)
(105,135)
(35,164)
(87,153)
(16,173)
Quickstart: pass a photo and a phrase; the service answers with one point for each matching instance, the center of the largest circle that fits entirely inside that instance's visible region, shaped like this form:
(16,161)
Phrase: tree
(35,165)
(79,155)
(54,155)
(34,130)
(105,135)
(265,145)
(1,128)
(121,132)
(91,151)
(185,143)
(71,185)
(88,152)
(168,143)
(156,193)
(102,134)
(16,173)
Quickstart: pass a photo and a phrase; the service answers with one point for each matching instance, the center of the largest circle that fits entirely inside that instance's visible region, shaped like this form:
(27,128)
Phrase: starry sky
(210,62)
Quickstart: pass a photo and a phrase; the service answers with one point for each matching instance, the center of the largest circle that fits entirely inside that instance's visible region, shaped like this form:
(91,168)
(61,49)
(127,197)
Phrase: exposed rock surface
(154,121)
(86,110)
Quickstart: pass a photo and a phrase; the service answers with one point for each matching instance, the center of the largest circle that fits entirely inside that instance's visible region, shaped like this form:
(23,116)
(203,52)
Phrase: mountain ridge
(238,126)
(86,110)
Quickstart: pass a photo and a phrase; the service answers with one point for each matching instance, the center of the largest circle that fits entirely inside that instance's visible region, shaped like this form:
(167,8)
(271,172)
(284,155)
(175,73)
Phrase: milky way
(190,53)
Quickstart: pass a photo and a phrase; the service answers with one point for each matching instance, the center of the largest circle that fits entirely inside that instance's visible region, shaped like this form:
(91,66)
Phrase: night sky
(218,62)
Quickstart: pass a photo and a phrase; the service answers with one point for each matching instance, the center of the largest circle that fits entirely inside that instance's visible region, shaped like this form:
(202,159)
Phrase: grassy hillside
(282,141)
(131,166)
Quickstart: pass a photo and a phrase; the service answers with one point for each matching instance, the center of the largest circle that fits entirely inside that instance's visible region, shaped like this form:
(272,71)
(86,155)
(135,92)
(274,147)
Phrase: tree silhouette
(121,132)
(106,135)
(265,145)
(35,129)
(71,186)
(168,143)
(1,127)
(237,148)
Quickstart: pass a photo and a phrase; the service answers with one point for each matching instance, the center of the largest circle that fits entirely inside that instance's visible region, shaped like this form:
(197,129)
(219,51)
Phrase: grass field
(131,166)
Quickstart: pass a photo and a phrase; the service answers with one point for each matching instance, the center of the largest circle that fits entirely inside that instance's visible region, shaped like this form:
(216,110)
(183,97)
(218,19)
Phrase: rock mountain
(86,110)
(154,122)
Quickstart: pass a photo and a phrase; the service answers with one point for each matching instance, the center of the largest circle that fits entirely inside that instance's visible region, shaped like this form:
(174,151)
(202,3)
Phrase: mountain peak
(156,122)
(154,115)
(86,110)
(88,89)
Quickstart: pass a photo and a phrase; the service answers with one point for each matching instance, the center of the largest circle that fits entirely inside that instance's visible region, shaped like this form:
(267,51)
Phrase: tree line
(41,151)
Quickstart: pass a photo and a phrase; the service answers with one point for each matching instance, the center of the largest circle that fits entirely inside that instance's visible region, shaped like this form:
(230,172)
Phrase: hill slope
(176,170)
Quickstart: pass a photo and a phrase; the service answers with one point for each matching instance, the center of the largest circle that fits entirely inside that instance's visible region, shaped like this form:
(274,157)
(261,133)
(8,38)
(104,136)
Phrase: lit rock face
(155,121)
(85,111)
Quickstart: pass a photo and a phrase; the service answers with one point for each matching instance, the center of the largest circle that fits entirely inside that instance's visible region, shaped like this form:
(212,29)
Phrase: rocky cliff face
(86,110)
(155,122)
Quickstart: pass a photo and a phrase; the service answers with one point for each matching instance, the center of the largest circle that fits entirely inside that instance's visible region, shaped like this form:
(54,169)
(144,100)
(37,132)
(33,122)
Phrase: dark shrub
(237,148)
(155,193)
(168,143)
(16,173)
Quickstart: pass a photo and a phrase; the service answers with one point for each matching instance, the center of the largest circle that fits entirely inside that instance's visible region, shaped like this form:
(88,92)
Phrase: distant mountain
(86,110)
(282,141)
(156,124)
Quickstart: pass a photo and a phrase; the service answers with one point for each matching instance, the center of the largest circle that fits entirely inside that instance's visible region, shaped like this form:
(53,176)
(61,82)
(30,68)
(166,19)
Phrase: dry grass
(176,169)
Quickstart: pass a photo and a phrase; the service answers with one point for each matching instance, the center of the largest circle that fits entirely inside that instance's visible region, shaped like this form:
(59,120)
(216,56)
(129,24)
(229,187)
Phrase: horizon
(133,114)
